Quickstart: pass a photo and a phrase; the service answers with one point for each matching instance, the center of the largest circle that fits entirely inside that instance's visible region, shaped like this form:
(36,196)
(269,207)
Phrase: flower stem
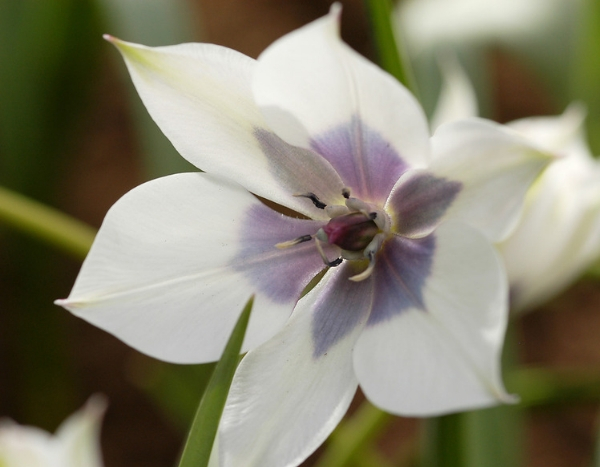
(353,435)
(392,56)
(45,223)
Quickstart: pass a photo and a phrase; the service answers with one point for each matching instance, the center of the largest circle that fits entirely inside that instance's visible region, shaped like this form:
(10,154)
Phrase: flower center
(357,229)
(352,232)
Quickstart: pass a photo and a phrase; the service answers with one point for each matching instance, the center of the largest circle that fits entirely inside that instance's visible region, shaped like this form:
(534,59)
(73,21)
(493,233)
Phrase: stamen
(355,204)
(367,272)
(336,210)
(331,264)
(316,201)
(346,192)
(370,252)
(296,241)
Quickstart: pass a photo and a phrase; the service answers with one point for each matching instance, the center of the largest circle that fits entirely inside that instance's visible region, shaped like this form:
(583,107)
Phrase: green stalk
(585,70)
(482,438)
(198,447)
(390,50)
(352,435)
(45,223)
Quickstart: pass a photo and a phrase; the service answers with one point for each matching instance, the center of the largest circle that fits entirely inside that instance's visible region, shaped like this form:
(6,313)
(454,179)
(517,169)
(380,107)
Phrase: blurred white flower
(540,33)
(76,443)
(558,234)
(430,23)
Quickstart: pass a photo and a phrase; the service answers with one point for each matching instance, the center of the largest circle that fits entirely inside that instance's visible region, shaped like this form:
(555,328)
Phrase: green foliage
(198,447)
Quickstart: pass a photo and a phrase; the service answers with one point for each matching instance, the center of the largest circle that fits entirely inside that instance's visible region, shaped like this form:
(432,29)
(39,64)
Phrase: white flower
(433,23)
(413,301)
(75,444)
(558,234)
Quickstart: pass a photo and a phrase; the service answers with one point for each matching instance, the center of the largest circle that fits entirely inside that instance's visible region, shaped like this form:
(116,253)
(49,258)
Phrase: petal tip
(507,398)
(97,404)
(335,10)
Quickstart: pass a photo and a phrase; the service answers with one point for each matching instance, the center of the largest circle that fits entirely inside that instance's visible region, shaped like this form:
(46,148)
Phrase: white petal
(79,435)
(431,23)
(495,166)
(289,394)
(309,82)
(563,134)
(76,443)
(26,446)
(558,235)
(200,97)
(444,357)
(457,98)
(177,258)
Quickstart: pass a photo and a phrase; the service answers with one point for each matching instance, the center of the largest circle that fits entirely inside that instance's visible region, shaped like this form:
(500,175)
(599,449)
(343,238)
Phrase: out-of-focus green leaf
(352,436)
(444,442)
(390,49)
(48,56)
(482,438)
(198,446)
(174,388)
(586,69)
(46,223)
(151,22)
(549,386)
(596,461)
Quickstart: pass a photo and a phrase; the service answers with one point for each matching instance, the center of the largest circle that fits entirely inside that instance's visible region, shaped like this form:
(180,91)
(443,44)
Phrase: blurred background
(74,135)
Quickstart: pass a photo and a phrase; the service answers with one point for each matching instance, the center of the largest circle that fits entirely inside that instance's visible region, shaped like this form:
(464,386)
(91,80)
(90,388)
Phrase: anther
(346,192)
(316,201)
(372,216)
(296,241)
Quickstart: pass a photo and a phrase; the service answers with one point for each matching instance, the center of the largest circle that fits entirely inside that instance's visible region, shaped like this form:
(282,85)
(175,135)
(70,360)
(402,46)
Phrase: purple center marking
(402,268)
(367,163)
(280,274)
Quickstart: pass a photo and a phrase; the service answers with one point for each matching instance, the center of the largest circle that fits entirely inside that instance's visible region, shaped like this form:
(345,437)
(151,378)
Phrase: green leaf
(482,438)
(585,71)
(351,438)
(201,437)
(45,223)
(173,388)
(390,51)
(596,462)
